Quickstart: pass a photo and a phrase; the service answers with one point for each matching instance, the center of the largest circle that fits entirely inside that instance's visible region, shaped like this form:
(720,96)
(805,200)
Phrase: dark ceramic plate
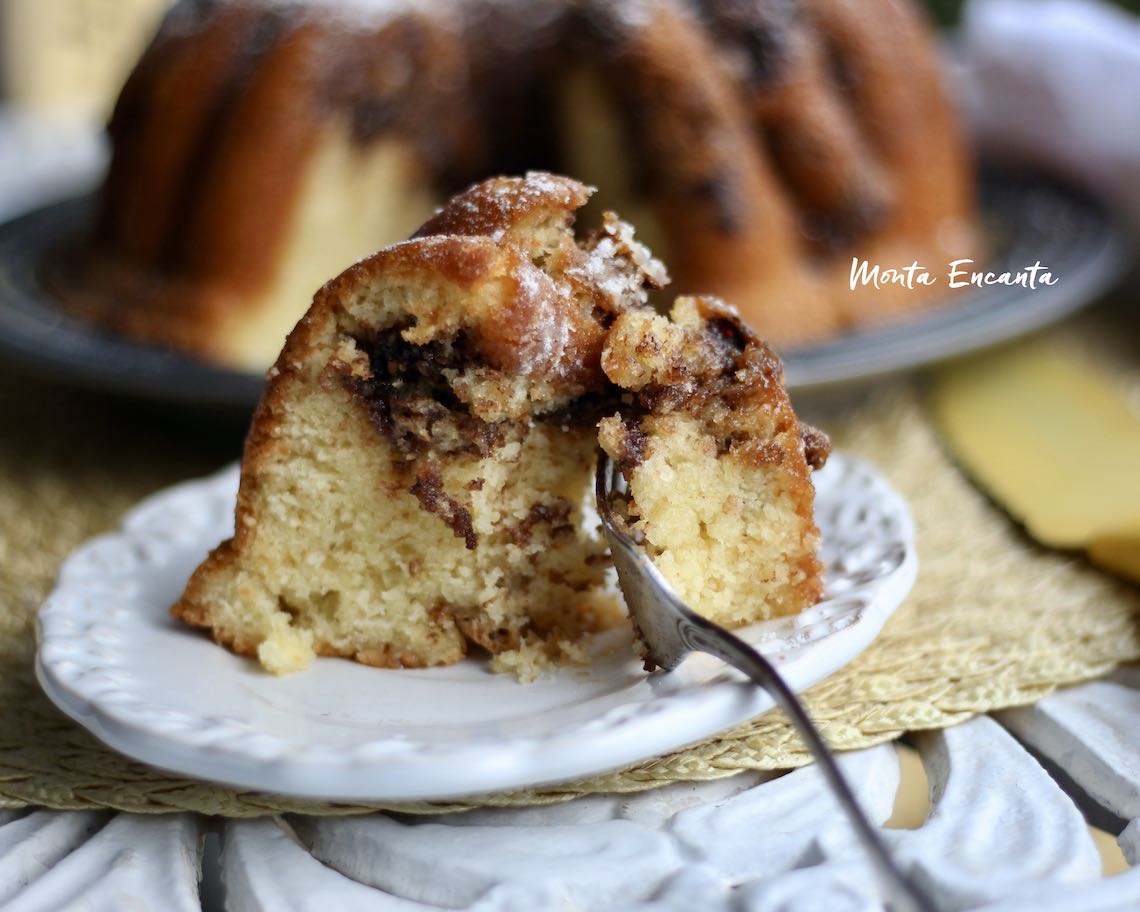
(1026,220)
(37,335)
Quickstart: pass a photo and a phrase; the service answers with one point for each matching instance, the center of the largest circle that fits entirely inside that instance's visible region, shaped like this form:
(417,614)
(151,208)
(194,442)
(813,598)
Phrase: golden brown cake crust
(212,135)
(771,140)
(500,204)
(792,136)
(389,382)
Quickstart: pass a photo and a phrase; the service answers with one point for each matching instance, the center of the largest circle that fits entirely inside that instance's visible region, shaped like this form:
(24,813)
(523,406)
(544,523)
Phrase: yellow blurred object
(1053,442)
(1112,858)
(912,801)
(70,57)
(1118,551)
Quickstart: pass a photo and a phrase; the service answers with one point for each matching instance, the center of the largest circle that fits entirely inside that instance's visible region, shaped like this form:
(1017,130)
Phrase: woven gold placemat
(994,620)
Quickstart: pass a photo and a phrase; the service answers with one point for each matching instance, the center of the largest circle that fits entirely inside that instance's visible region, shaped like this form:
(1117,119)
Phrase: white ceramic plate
(113,658)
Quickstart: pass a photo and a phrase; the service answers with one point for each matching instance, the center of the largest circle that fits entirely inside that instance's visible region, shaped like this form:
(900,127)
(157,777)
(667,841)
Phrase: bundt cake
(259,147)
(415,475)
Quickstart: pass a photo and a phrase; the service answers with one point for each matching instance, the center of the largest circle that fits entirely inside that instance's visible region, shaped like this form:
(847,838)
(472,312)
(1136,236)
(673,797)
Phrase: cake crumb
(535,657)
(287,649)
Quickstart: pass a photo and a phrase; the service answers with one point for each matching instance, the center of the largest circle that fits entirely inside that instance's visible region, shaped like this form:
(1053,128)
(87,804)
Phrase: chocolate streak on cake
(149,230)
(408,397)
(759,34)
(408,394)
(723,377)
(409,79)
(555,515)
(817,446)
(679,112)
(633,448)
(585,411)
(428,490)
(410,391)
(728,343)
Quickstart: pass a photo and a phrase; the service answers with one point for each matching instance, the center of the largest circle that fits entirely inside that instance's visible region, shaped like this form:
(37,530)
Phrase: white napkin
(1056,83)
(43,159)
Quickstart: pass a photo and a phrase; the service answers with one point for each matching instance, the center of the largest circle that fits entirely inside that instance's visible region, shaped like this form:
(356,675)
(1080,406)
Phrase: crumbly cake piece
(716,461)
(414,475)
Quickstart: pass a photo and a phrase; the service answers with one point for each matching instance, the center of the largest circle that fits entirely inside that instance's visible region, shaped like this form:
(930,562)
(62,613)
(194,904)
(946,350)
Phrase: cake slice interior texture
(414,479)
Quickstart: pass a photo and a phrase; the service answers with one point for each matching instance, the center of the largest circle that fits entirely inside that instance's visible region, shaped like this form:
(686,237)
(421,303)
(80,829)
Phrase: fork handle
(701,635)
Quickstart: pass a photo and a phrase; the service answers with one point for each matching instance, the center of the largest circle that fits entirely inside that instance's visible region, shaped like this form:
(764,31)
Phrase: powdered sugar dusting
(494,207)
(630,14)
(620,266)
(544,344)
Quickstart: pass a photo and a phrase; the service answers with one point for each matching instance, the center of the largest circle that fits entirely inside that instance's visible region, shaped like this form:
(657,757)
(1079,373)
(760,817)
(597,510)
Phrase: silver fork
(670,630)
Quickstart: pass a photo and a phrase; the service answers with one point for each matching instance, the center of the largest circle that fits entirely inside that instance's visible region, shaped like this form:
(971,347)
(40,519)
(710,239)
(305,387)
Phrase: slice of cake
(716,461)
(414,477)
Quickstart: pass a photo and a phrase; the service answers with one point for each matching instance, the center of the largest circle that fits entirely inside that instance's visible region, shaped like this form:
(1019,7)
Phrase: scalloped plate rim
(668,713)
